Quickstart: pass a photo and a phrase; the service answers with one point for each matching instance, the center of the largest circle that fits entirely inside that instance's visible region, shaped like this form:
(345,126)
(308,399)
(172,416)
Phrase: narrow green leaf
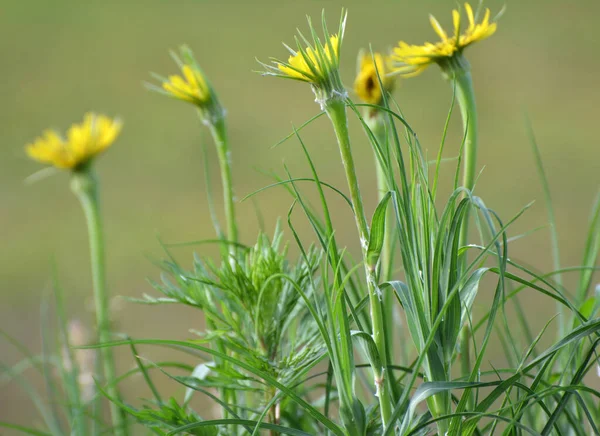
(23,429)
(590,256)
(377,235)
(368,344)
(577,378)
(551,217)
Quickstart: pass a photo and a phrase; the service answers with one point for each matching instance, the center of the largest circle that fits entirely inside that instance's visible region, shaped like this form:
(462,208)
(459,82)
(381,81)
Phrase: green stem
(439,404)
(219,134)
(465,95)
(376,121)
(85,186)
(336,110)
(218,130)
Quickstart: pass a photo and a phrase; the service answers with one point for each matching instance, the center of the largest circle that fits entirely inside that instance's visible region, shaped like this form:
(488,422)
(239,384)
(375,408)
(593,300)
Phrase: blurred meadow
(63,58)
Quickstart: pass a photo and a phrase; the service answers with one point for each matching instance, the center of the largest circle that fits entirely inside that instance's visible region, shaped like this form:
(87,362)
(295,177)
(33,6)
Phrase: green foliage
(170,416)
(253,310)
(252,306)
(305,347)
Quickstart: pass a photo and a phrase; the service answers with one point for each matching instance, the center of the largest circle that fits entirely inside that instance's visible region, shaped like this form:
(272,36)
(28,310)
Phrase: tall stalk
(465,94)
(376,121)
(85,186)
(336,110)
(218,131)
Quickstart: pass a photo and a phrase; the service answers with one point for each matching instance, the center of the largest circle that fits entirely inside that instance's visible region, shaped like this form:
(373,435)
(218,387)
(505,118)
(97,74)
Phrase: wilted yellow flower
(83,141)
(366,84)
(191,87)
(412,59)
(312,66)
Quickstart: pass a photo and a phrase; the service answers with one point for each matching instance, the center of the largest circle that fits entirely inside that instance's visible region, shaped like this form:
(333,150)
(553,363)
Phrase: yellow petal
(470,16)
(335,43)
(190,76)
(438,28)
(456,22)
(308,65)
(486,18)
(178,82)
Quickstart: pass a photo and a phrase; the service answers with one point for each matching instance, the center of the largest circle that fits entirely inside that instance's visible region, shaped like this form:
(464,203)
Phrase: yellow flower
(412,59)
(191,87)
(315,62)
(83,141)
(366,85)
(312,66)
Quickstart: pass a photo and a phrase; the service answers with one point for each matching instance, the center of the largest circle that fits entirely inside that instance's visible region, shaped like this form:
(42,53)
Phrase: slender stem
(219,134)
(376,121)
(465,95)
(85,186)
(218,130)
(336,110)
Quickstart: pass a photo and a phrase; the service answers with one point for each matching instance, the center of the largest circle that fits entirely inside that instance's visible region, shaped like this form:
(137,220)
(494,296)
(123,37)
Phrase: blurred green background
(60,59)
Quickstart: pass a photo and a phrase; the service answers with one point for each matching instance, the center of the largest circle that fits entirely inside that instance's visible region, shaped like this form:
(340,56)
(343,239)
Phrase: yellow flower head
(311,65)
(83,142)
(412,59)
(191,87)
(366,85)
(316,63)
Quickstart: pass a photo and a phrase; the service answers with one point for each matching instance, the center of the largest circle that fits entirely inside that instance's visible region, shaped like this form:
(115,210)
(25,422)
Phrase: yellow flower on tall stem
(318,65)
(448,54)
(192,86)
(373,81)
(410,60)
(76,151)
